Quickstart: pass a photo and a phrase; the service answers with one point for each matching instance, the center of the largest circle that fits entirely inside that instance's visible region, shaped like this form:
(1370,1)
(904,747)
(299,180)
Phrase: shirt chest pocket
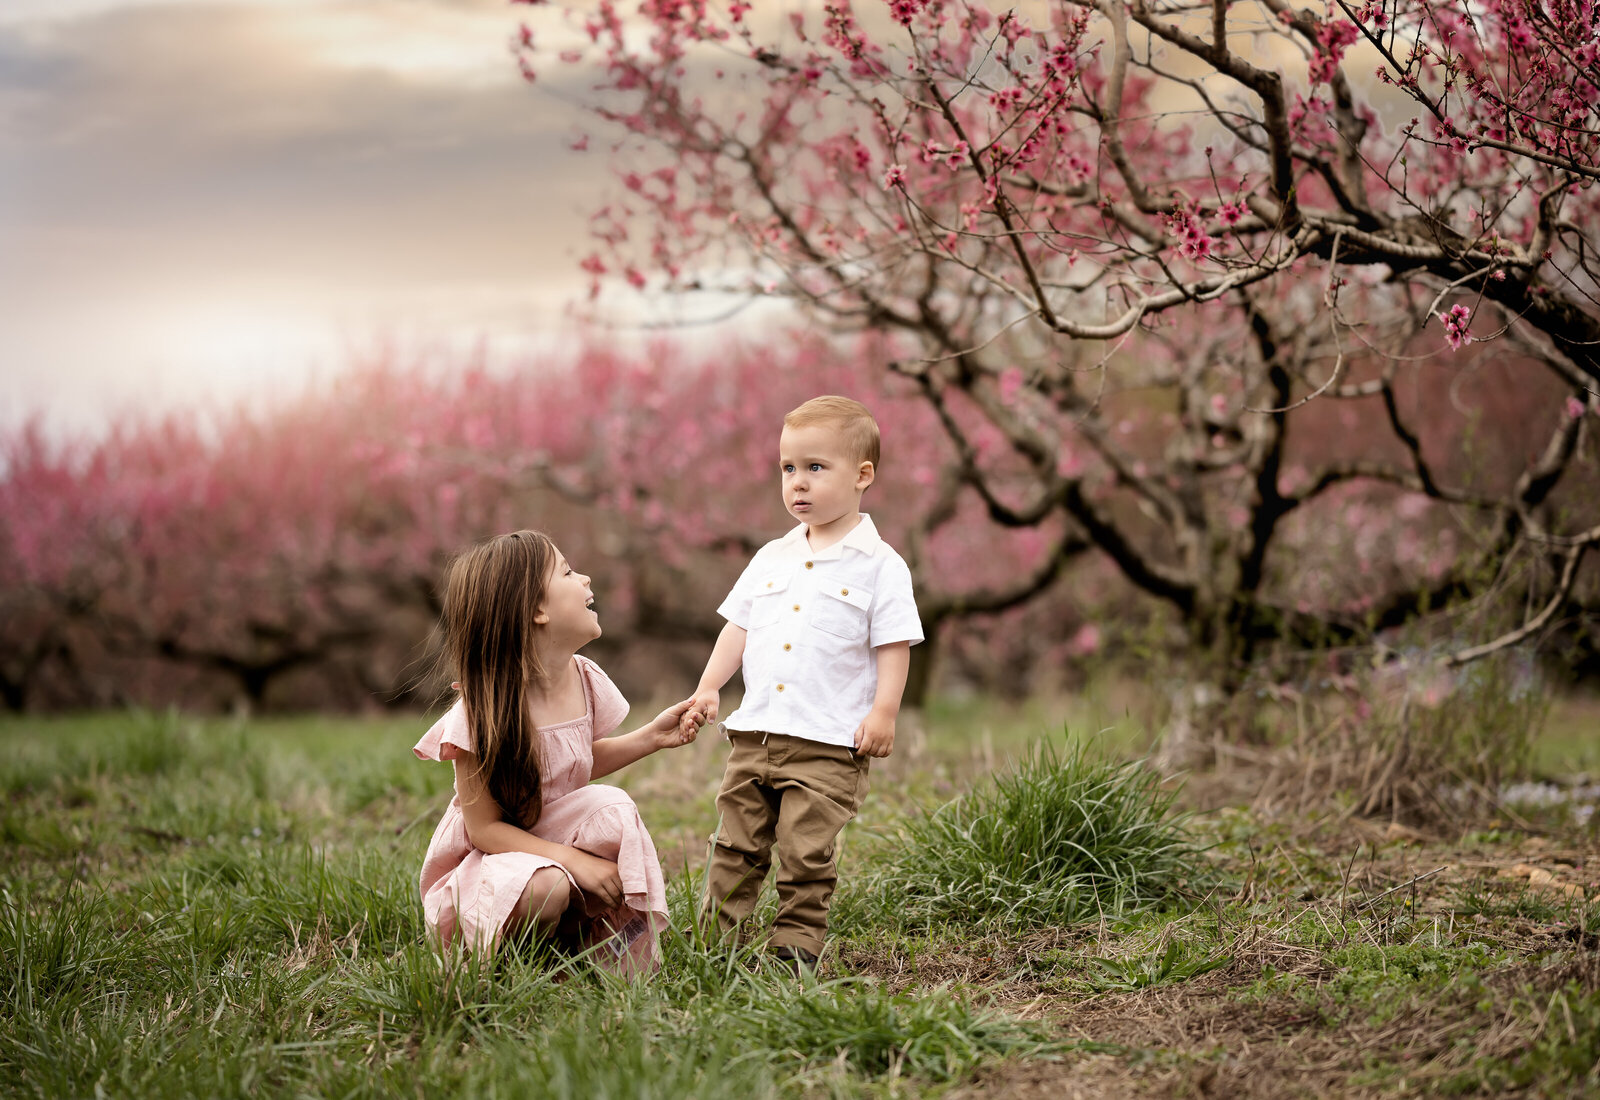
(842,611)
(767,604)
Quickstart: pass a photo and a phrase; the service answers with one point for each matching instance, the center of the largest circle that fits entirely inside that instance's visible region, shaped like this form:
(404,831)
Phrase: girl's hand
(598,879)
(677,725)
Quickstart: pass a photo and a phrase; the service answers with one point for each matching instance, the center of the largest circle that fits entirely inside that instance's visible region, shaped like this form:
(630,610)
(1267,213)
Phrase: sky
(213,201)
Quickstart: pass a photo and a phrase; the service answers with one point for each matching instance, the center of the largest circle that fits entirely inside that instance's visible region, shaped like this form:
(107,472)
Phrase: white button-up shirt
(813,621)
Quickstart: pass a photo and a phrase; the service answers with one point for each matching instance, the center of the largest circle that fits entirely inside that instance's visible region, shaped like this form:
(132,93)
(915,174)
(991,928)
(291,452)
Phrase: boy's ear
(864,475)
(541,616)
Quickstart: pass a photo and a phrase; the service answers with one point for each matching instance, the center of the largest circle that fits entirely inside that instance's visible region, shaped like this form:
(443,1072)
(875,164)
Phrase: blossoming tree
(1144,246)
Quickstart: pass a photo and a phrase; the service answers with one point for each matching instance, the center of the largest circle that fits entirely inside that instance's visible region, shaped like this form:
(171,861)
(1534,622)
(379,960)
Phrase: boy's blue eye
(816,467)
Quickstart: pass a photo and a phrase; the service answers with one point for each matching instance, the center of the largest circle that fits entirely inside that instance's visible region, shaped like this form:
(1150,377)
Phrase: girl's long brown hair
(492,592)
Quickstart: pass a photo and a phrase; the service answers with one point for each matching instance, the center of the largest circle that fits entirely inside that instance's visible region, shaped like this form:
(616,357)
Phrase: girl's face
(567,610)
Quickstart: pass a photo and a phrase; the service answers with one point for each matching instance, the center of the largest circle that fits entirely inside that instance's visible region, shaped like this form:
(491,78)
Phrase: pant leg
(742,855)
(822,787)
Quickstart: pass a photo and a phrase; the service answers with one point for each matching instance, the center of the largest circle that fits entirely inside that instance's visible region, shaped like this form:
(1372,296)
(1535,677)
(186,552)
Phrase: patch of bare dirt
(1209,1037)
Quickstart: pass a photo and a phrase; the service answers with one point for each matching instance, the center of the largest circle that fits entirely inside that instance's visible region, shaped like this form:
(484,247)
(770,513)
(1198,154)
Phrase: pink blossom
(1333,39)
(895,176)
(1010,384)
(1085,641)
(1193,243)
(1575,408)
(904,11)
(1455,326)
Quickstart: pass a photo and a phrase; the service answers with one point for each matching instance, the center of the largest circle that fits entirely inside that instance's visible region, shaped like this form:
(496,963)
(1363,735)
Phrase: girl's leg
(543,901)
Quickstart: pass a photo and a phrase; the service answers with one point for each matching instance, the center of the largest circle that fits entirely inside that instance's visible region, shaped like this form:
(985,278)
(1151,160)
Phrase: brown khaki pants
(796,794)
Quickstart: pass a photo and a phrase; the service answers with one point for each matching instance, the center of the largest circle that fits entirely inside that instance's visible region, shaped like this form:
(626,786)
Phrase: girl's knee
(545,897)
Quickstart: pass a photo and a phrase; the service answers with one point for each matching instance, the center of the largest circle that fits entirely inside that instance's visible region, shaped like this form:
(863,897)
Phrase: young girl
(527,843)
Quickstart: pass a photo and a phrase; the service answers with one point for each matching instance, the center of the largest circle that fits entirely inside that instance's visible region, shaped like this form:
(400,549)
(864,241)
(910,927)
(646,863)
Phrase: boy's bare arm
(726,657)
(875,735)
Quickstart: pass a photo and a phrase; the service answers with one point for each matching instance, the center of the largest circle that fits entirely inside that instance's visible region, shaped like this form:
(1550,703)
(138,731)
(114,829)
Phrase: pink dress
(471,893)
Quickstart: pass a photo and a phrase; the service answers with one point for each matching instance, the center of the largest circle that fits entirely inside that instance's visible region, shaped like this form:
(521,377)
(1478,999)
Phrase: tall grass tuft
(1057,839)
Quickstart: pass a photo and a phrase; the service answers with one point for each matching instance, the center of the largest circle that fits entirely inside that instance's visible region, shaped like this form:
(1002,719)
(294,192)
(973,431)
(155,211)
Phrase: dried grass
(1414,748)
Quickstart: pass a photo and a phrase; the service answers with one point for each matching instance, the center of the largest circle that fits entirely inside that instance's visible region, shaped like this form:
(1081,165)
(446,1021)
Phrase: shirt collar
(863,537)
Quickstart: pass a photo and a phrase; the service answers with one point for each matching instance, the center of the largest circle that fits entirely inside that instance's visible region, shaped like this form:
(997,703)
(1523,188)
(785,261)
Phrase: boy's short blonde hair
(851,418)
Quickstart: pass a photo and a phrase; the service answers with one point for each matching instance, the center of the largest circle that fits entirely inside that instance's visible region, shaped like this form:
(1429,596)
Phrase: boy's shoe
(797,959)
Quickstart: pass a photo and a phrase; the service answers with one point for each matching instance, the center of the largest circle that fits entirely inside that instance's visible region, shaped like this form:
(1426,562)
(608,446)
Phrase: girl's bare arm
(666,731)
(491,833)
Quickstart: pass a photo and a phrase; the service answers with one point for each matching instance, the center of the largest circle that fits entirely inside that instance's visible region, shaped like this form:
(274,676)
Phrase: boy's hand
(675,726)
(706,703)
(875,735)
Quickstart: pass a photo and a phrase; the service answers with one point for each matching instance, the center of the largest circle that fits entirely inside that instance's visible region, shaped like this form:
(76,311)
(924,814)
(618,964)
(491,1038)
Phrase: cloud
(337,160)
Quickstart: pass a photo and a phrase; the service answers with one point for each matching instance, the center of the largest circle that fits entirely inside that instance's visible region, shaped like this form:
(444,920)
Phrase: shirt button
(787,647)
(780,687)
(844,592)
(797,607)
(808,565)
(769,584)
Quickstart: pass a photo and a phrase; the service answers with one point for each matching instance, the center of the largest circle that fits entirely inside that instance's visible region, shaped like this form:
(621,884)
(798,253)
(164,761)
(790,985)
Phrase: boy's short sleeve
(894,606)
(608,706)
(736,608)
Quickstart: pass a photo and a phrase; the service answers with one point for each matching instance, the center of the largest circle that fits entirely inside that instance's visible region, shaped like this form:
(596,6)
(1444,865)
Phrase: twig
(1370,902)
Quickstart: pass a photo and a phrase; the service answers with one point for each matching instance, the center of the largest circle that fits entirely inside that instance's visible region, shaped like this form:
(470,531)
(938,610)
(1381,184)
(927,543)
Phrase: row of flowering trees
(290,556)
(1221,213)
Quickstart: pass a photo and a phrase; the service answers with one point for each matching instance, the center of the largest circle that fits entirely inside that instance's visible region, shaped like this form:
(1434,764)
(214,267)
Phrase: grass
(224,908)
(1058,838)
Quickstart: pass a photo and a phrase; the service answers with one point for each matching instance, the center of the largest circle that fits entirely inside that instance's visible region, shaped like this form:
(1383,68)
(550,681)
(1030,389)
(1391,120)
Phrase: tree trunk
(919,679)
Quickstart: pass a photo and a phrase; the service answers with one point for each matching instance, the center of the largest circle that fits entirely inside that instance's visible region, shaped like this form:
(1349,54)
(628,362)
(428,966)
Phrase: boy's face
(822,480)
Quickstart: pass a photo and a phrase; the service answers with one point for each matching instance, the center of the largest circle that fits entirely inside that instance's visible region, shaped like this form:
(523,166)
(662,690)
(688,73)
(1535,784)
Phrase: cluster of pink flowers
(1334,37)
(1455,326)
(1373,14)
(954,156)
(904,11)
(1193,241)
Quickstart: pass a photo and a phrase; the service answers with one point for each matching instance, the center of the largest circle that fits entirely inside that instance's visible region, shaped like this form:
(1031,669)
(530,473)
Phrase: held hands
(599,881)
(675,726)
(702,709)
(875,735)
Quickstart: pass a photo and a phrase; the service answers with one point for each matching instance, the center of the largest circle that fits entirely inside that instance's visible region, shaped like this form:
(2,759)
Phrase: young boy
(822,621)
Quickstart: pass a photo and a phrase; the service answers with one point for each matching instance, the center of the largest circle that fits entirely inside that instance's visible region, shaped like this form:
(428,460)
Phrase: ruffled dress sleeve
(607,707)
(449,737)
